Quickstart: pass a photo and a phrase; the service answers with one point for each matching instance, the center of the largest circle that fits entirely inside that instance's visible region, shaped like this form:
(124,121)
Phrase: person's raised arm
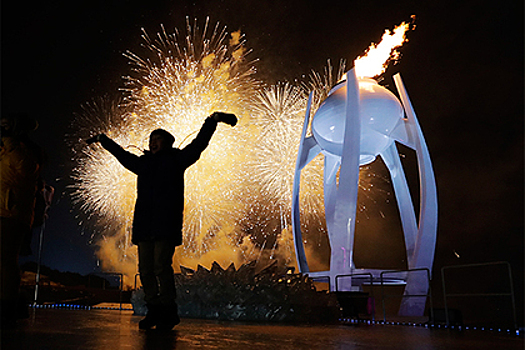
(129,160)
(193,151)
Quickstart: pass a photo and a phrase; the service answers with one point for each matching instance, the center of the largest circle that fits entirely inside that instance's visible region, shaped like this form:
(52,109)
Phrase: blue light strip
(77,307)
(351,321)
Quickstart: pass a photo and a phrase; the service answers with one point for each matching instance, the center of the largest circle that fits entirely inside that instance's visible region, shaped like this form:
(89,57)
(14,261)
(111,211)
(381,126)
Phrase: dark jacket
(160,185)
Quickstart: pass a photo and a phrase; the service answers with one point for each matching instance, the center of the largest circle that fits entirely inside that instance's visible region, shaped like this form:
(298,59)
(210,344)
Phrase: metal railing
(508,294)
(352,275)
(428,295)
(337,277)
(121,282)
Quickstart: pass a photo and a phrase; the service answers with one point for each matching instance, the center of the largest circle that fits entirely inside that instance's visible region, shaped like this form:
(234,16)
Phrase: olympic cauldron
(358,121)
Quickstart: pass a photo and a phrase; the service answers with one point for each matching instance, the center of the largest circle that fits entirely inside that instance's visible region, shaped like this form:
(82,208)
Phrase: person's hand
(228,118)
(94,139)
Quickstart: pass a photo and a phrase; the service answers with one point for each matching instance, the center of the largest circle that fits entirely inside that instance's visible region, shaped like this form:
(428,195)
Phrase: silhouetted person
(158,217)
(20,166)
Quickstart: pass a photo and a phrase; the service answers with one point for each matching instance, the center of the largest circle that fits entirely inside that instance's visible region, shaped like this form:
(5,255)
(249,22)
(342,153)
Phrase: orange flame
(376,59)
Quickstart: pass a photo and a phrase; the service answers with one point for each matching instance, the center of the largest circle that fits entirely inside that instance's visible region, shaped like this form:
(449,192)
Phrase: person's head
(6,126)
(17,124)
(159,140)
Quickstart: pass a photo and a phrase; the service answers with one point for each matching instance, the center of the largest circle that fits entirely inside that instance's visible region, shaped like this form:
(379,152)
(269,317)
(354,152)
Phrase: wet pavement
(55,329)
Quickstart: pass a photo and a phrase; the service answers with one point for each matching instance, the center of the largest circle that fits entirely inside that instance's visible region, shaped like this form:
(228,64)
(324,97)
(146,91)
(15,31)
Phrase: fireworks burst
(176,90)
(101,183)
(279,114)
(321,84)
(101,116)
(242,183)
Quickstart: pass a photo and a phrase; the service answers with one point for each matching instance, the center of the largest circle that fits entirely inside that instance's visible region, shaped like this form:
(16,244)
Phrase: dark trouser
(11,237)
(156,273)
(12,234)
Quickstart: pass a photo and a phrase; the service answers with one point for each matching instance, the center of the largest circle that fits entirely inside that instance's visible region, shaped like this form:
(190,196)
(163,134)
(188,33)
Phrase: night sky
(462,67)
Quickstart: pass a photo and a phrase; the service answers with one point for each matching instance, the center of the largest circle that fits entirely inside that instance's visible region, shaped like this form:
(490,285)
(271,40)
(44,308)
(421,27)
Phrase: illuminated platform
(112,329)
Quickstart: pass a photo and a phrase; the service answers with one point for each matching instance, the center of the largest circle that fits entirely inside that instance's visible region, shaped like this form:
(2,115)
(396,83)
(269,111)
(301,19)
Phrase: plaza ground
(57,329)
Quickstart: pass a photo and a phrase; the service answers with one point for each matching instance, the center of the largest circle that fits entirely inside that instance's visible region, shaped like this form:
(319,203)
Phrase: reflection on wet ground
(111,329)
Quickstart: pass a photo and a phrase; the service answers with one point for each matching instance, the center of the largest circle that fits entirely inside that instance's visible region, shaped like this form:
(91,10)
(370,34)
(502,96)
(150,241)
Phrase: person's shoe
(152,317)
(169,318)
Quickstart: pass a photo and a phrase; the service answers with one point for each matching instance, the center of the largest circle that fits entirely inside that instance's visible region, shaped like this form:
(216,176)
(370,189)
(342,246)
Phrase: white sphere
(380,111)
